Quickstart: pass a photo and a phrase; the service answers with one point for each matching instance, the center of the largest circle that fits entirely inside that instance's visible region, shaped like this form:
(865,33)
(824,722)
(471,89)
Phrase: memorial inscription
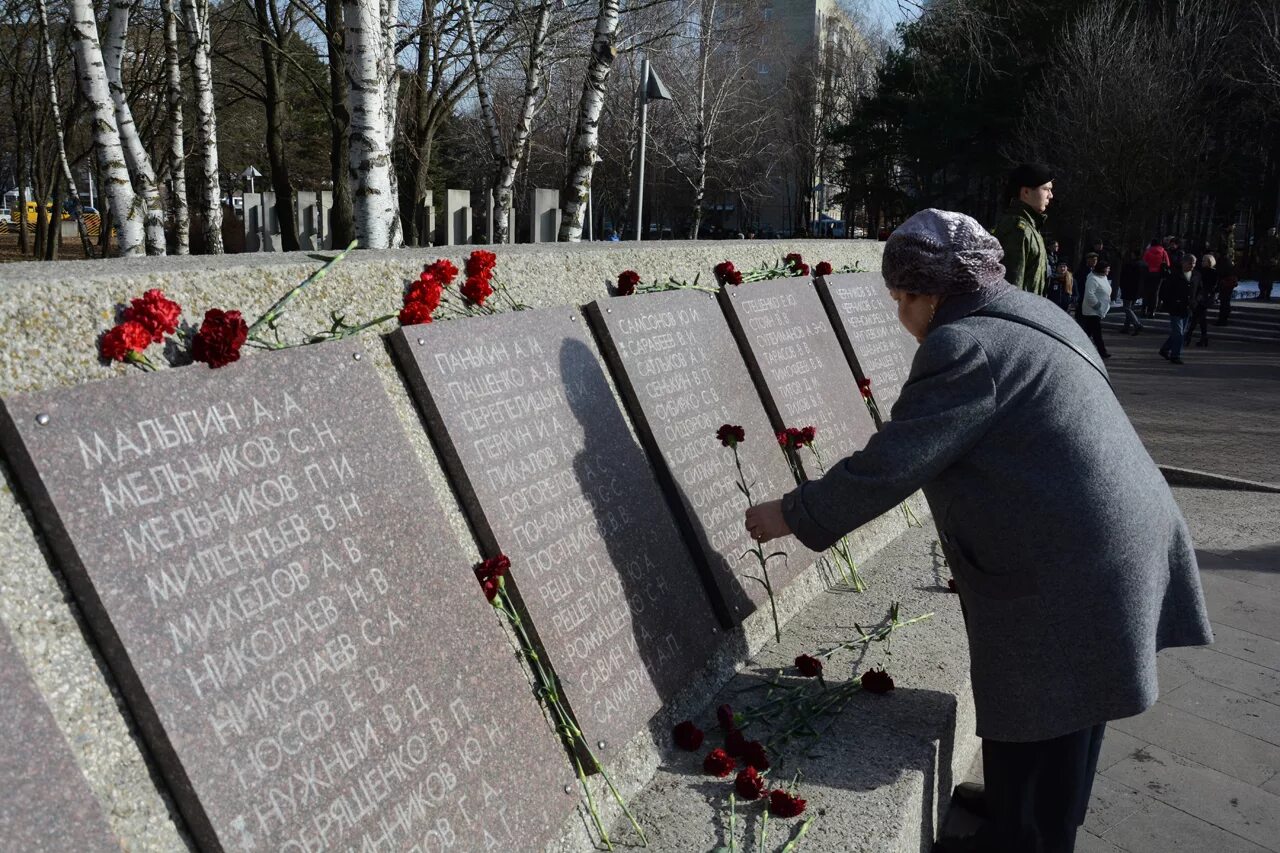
(307,652)
(682,376)
(45,804)
(551,476)
(798,365)
(866,322)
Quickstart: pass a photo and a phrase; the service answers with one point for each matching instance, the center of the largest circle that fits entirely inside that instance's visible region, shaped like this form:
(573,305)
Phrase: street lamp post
(651,88)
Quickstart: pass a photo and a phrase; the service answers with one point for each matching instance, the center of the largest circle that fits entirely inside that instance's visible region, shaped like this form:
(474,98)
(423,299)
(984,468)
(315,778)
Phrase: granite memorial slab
(866,322)
(682,376)
(534,440)
(303,643)
(45,804)
(799,368)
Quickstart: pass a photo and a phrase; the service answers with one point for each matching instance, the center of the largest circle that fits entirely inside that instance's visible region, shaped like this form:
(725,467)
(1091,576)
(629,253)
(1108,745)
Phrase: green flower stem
(758,550)
(275,311)
(791,845)
(842,549)
(140,360)
(349,331)
(764,830)
(733,822)
(876,636)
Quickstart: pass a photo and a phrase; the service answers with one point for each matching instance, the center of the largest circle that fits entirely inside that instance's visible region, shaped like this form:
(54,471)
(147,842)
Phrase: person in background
(1227,281)
(1268,263)
(1157,261)
(1132,276)
(1095,302)
(1204,297)
(1051,256)
(1064,620)
(1018,228)
(1174,247)
(1179,291)
(1082,274)
(1061,286)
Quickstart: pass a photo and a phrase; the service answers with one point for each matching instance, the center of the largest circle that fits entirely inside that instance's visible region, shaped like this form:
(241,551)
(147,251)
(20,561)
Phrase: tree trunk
(177,151)
(106,139)
(374,204)
(196,17)
(504,182)
(341,224)
(496,149)
(274,104)
(703,140)
(586,140)
(57,127)
(53,234)
(391,77)
(139,162)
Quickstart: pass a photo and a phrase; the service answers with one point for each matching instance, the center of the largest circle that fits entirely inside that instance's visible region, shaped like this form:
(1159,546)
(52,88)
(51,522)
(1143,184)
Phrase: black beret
(1030,175)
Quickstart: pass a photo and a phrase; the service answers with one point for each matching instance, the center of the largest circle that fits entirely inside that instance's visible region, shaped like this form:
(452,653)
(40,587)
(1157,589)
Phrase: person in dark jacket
(1179,291)
(1018,228)
(1227,281)
(1061,286)
(1132,276)
(1205,294)
(1064,620)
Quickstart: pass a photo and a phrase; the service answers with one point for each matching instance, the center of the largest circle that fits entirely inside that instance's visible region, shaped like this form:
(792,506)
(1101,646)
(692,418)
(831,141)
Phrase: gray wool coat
(1073,563)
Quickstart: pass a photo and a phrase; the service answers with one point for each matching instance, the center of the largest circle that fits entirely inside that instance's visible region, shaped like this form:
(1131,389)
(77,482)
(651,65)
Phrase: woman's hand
(765,522)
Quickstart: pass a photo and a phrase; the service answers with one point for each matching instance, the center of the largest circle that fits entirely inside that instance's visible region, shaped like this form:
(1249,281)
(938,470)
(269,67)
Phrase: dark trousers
(1200,317)
(1150,293)
(1224,302)
(1037,793)
(1093,327)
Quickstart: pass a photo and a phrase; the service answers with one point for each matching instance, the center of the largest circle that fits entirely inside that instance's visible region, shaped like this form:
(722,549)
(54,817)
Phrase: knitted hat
(938,251)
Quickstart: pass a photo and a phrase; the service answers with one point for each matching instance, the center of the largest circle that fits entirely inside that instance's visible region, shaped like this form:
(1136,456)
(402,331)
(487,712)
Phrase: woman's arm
(945,407)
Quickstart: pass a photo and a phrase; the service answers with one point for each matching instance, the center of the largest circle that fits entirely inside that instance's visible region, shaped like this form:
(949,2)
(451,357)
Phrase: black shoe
(1203,343)
(1106,355)
(972,797)
(1164,355)
(1176,361)
(1137,331)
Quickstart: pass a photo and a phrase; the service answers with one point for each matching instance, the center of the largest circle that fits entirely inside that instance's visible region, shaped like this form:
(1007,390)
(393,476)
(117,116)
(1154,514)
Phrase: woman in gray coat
(1065,614)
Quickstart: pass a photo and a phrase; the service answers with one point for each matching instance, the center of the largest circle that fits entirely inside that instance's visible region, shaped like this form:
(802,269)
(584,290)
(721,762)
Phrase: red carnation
(426,291)
(803,269)
(794,260)
(726,717)
(808,434)
(864,386)
(480,263)
(730,435)
(220,337)
(727,273)
(442,270)
(476,289)
(688,736)
(823,268)
(749,786)
(784,440)
(735,742)
(877,681)
(158,315)
(809,666)
(718,763)
(782,804)
(754,756)
(127,338)
(627,282)
(490,572)
(414,313)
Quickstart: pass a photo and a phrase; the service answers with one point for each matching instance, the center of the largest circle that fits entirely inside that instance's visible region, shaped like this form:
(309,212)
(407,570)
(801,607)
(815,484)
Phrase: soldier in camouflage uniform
(1018,228)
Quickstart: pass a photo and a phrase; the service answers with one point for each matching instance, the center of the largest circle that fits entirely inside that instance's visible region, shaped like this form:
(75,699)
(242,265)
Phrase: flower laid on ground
(822,268)
(727,273)
(687,736)
(218,340)
(809,666)
(726,718)
(719,763)
(628,280)
(749,785)
(443,270)
(782,804)
(730,435)
(753,755)
(877,681)
(735,742)
(490,573)
(154,312)
(125,342)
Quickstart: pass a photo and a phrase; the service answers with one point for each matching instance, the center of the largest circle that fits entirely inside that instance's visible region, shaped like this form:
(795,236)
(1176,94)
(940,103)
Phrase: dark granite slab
(547,467)
(866,320)
(682,376)
(45,804)
(303,643)
(798,366)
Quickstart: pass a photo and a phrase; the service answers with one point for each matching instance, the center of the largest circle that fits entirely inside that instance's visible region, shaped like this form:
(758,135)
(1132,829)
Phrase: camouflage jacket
(1018,230)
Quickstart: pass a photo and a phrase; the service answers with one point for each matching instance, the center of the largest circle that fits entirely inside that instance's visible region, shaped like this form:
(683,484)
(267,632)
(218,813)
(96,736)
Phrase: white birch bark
(374,205)
(57,127)
(177,152)
(127,217)
(390,67)
(586,139)
(196,18)
(482,88)
(144,176)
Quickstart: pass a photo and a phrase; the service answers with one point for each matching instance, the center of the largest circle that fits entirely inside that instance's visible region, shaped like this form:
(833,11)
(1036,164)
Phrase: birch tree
(369,39)
(586,137)
(196,18)
(57,127)
(91,70)
(177,148)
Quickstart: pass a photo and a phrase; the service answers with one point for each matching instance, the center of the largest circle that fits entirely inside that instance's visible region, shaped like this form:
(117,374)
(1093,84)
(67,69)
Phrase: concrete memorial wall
(799,368)
(866,322)
(549,471)
(309,659)
(682,376)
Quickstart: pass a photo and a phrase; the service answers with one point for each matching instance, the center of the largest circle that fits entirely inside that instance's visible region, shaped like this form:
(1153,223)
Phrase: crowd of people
(1160,276)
